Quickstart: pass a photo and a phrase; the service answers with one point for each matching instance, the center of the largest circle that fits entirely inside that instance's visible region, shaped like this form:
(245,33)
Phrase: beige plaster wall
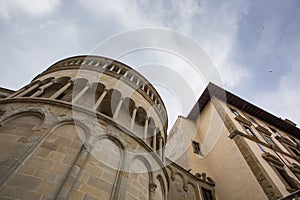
(179,140)
(221,159)
(258,152)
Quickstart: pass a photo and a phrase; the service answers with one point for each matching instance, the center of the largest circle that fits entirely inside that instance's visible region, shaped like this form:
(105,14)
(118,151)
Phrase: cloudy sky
(254,45)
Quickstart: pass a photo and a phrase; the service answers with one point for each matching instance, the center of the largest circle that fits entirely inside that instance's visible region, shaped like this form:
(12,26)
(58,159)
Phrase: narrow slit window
(249,131)
(207,194)
(234,112)
(196,147)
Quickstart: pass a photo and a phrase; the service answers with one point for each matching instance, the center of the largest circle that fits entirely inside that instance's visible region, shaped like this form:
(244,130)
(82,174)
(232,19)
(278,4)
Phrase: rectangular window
(234,112)
(249,131)
(196,147)
(288,180)
(252,120)
(207,194)
(294,150)
(269,140)
(261,147)
(290,183)
(275,131)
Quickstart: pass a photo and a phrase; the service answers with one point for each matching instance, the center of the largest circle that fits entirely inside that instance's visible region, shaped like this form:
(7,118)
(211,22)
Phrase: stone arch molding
(22,113)
(163,191)
(146,163)
(103,162)
(195,189)
(103,103)
(135,174)
(111,138)
(184,182)
(26,140)
(75,122)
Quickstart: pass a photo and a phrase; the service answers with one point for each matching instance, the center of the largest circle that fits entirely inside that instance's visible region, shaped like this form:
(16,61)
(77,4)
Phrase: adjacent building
(249,153)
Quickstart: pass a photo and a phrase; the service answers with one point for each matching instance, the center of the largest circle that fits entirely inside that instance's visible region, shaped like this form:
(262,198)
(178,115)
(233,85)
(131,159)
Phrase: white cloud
(284,101)
(30,7)
(214,25)
(217,31)
(128,13)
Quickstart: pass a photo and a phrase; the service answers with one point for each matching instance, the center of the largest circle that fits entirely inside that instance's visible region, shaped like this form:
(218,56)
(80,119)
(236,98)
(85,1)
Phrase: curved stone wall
(83,134)
(59,156)
(110,90)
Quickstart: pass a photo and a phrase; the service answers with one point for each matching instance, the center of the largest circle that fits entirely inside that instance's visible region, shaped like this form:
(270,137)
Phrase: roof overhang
(213,90)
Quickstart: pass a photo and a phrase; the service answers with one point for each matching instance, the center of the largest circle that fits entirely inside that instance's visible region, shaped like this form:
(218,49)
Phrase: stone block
(86,188)
(40,163)
(49,145)
(42,152)
(7,190)
(131,197)
(88,197)
(100,184)
(25,182)
(68,143)
(9,137)
(22,131)
(67,160)
(75,195)
(56,157)
(45,188)
(24,140)
(46,176)
(25,194)
(59,169)
(28,170)
(132,190)
(108,176)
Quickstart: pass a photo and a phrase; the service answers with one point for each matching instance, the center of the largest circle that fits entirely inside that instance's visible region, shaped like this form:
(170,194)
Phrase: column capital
(152,187)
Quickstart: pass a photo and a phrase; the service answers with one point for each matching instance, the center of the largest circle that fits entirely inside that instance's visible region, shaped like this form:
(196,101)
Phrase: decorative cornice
(205,178)
(294,167)
(273,159)
(235,133)
(243,120)
(152,187)
(285,140)
(263,130)
(213,90)
(194,177)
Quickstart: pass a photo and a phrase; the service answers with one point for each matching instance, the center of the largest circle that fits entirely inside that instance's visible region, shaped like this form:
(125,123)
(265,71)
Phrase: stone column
(116,113)
(61,90)
(81,93)
(112,68)
(160,140)
(72,175)
(133,119)
(152,188)
(42,89)
(154,140)
(146,129)
(97,104)
(28,90)
(16,93)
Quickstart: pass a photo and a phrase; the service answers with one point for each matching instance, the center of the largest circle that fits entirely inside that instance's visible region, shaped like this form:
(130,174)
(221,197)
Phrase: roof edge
(226,96)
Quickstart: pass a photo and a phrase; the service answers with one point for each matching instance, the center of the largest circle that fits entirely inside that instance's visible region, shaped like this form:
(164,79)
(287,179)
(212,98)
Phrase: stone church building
(92,128)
